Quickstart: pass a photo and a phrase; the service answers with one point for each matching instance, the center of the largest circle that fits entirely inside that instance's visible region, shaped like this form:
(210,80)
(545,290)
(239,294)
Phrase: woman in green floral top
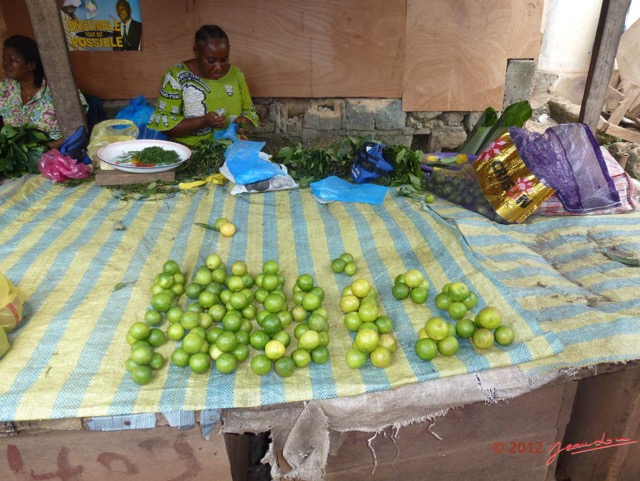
(204,94)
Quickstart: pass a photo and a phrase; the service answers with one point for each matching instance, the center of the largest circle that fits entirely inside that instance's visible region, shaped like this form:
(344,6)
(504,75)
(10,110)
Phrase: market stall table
(87,260)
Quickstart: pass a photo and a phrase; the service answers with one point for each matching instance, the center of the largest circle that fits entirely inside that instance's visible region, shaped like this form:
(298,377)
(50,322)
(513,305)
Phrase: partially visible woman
(24,95)
(203,94)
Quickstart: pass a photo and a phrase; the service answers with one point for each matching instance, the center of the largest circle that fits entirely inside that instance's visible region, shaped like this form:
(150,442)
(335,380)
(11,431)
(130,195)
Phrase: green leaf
(515,115)
(626,259)
(204,226)
(121,285)
(476,137)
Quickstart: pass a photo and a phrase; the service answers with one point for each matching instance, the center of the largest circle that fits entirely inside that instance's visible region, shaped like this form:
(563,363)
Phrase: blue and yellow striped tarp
(557,269)
(68,247)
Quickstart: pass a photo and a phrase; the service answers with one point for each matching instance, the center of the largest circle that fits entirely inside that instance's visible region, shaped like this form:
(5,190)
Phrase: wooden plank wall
(437,55)
(456,52)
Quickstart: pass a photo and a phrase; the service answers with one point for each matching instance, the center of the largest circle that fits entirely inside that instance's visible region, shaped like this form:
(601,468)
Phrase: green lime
(226,363)
(284,367)
(180,357)
(338,265)
(261,364)
(355,358)
(426,349)
(141,375)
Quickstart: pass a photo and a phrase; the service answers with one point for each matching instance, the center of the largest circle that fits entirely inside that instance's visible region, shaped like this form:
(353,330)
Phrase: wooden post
(47,27)
(605,47)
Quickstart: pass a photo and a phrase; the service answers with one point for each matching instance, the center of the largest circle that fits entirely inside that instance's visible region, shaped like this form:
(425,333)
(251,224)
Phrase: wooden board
(605,46)
(437,55)
(55,59)
(286,49)
(116,177)
(162,453)
(606,405)
(627,58)
(456,52)
(630,96)
(476,442)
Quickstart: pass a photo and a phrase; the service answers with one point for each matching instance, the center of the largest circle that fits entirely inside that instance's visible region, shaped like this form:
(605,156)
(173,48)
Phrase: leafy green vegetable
(205,160)
(489,127)
(515,115)
(479,132)
(150,156)
(308,165)
(20,149)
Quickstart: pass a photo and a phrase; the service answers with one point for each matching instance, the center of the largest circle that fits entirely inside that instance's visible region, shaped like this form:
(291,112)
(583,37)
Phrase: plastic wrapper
(336,189)
(108,132)
(57,167)
(11,303)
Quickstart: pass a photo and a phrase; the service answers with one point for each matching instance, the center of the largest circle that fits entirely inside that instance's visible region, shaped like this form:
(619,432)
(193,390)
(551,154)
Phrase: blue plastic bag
(370,163)
(139,112)
(230,133)
(334,188)
(245,164)
(75,146)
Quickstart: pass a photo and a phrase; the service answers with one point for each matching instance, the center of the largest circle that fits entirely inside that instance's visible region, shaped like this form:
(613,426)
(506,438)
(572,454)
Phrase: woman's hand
(215,120)
(243,124)
(55,144)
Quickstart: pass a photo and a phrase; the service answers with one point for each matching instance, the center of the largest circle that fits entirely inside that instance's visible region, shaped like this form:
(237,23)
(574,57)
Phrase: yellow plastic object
(4,343)
(218,179)
(11,301)
(108,132)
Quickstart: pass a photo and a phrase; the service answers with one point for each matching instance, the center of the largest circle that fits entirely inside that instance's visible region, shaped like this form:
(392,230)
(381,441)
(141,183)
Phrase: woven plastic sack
(627,187)
(58,167)
(108,132)
(11,302)
(568,158)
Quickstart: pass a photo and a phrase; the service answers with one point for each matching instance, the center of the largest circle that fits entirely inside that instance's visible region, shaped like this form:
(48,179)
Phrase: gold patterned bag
(497,184)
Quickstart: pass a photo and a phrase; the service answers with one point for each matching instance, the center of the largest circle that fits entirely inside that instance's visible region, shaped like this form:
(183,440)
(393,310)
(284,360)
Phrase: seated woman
(24,96)
(203,94)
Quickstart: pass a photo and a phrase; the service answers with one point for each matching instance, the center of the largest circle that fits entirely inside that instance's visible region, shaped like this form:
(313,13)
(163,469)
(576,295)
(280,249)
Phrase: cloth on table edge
(304,434)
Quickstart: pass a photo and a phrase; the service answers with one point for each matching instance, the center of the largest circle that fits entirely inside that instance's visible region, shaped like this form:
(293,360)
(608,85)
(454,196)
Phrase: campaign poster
(102,25)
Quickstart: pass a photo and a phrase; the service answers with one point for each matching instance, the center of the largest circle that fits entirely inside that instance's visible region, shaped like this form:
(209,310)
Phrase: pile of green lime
(144,337)
(345,263)
(437,336)
(373,330)
(456,299)
(411,284)
(483,330)
(216,326)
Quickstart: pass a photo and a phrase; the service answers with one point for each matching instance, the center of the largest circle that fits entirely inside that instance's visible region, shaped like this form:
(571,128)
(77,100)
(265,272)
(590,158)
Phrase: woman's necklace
(28,94)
